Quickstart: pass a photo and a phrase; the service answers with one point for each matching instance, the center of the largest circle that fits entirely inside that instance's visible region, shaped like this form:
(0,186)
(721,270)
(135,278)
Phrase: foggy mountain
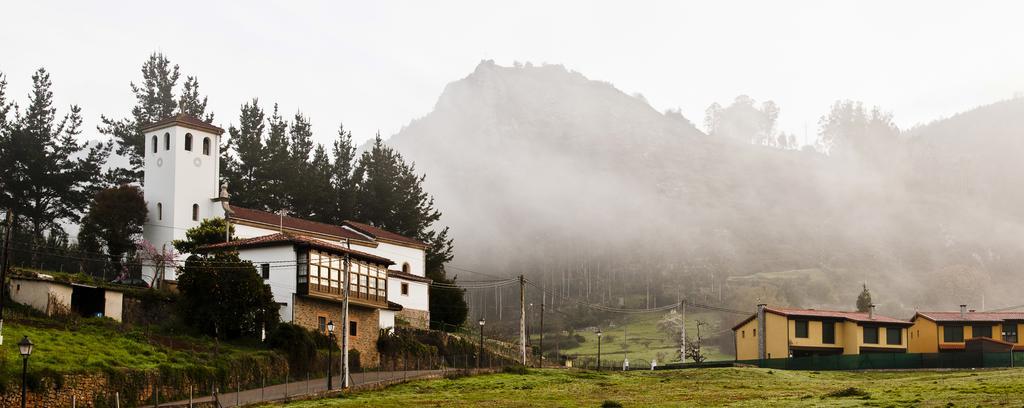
(541,171)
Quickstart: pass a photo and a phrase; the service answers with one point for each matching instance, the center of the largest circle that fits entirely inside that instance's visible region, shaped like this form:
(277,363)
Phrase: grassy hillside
(88,345)
(643,342)
(99,345)
(747,387)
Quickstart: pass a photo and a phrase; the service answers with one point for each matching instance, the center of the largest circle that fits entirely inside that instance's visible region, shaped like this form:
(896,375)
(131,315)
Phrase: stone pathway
(302,389)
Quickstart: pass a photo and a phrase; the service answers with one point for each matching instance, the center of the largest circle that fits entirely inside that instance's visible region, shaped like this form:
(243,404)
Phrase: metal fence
(244,387)
(892,361)
(877,361)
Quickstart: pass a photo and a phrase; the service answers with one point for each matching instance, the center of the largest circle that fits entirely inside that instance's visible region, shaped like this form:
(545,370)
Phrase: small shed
(987,345)
(53,297)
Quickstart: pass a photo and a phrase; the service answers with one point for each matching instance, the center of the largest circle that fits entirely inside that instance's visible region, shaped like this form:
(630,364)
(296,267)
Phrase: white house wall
(418,298)
(37,293)
(282,274)
(245,231)
(113,304)
(416,258)
(387,319)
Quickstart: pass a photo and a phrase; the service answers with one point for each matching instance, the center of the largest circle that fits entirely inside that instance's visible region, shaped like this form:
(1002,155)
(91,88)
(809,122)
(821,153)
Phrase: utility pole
(542,331)
(344,320)
(682,333)
(3,270)
(522,318)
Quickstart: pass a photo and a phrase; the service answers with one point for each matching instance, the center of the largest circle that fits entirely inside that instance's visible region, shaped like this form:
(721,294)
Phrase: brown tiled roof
(273,221)
(859,317)
(186,121)
(408,276)
(853,316)
(993,317)
(294,239)
(394,306)
(379,233)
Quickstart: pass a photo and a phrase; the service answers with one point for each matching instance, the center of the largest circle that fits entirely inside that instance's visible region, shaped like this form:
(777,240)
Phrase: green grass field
(98,344)
(746,387)
(644,341)
(92,347)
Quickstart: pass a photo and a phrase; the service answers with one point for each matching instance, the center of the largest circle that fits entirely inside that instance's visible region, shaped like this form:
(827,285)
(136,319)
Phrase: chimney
(871,312)
(963,311)
(761,345)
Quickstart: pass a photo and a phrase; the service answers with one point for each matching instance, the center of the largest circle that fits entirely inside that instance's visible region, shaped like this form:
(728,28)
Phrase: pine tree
(864,300)
(5,164)
(391,196)
(447,305)
(154,100)
(342,182)
(301,196)
(116,216)
(276,171)
(50,175)
(242,162)
(191,103)
(315,198)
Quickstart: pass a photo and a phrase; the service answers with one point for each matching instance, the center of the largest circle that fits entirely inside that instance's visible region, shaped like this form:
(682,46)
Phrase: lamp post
(330,358)
(599,349)
(481,355)
(25,347)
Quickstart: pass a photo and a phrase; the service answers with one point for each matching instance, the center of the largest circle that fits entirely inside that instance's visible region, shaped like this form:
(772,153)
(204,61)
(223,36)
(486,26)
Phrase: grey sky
(377,65)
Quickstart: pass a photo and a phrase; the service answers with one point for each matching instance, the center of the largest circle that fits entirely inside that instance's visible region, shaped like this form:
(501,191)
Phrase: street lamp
(330,358)
(481,355)
(25,347)
(599,349)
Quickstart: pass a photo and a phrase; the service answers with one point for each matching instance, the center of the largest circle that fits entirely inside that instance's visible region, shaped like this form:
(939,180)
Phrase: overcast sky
(377,65)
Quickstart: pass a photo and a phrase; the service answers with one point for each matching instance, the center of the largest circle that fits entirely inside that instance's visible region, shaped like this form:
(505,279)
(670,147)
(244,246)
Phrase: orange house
(775,332)
(935,332)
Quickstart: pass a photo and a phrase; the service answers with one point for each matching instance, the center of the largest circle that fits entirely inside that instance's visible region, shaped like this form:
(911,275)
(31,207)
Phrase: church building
(301,260)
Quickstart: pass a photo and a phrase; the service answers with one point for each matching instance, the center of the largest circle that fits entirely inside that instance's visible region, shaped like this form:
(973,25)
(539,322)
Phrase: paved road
(302,388)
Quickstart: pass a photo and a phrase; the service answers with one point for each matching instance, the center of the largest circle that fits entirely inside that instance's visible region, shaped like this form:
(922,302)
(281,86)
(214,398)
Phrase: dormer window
(188,142)
(155,141)
(206,146)
(167,141)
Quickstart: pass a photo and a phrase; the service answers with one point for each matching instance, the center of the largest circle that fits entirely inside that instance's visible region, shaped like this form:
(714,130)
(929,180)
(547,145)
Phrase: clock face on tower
(197,162)
(159,162)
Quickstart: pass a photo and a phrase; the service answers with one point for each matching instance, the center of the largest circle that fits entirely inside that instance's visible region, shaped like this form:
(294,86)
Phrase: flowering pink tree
(157,258)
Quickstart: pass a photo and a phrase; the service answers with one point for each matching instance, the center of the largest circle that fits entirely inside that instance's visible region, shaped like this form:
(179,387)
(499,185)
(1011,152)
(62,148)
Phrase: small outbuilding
(53,297)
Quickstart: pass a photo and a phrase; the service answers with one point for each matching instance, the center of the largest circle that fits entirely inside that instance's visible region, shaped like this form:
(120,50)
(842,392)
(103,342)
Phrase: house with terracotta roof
(302,260)
(406,281)
(934,332)
(775,332)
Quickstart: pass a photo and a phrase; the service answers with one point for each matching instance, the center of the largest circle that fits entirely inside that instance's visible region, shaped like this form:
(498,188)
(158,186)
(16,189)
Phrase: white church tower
(182,173)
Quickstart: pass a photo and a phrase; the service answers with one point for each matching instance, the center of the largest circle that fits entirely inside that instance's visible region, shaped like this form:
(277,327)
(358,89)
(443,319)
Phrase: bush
(848,392)
(353,360)
(298,343)
(516,369)
(404,342)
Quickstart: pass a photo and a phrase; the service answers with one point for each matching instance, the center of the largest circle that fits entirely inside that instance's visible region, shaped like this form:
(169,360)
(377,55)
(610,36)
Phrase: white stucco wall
(113,304)
(418,297)
(246,231)
(387,319)
(177,179)
(282,274)
(37,293)
(416,258)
